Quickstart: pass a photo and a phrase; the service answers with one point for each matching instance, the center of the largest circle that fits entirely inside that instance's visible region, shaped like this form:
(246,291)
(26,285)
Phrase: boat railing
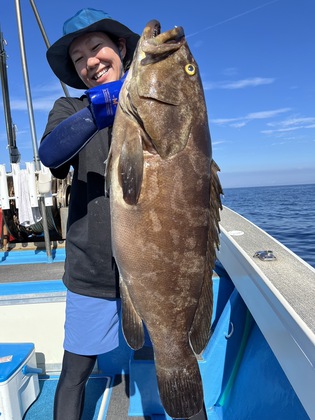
(36,176)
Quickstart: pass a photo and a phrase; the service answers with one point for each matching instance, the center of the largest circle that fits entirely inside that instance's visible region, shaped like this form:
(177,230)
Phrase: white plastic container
(19,386)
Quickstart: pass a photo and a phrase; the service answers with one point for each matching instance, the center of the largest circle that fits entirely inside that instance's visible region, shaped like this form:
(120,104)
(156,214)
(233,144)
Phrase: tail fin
(180,388)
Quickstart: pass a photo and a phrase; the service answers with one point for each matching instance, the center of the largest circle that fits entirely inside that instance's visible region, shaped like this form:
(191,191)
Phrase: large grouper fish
(165,203)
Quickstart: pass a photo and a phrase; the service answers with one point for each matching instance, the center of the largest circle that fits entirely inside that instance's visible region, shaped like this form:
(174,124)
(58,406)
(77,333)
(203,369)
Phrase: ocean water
(285,212)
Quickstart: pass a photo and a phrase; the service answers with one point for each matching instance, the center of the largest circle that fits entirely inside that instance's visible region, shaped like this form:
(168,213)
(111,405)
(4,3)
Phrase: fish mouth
(153,31)
(156,43)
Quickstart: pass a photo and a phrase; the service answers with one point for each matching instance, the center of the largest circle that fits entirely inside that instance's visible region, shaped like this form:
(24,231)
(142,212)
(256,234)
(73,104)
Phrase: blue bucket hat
(85,21)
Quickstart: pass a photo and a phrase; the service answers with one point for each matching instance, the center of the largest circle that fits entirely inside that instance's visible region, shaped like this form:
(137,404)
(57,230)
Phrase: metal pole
(27,86)
(41,27)
(32,125)
(45,228)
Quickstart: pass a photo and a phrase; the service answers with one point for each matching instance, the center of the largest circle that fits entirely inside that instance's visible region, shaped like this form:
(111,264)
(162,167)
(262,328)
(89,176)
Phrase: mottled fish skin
(165,201)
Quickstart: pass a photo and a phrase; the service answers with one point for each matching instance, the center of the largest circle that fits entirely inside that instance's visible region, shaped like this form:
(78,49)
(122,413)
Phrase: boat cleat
(265,255)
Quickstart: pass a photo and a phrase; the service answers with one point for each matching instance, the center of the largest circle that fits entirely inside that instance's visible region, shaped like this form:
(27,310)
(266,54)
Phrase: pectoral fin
(131,166)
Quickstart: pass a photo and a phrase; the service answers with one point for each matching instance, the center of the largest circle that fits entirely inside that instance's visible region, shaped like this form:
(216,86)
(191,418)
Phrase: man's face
(97,59)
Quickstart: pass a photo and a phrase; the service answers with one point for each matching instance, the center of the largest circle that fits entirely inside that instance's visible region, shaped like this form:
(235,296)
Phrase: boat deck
(33,272)
(119,401)
(29,262)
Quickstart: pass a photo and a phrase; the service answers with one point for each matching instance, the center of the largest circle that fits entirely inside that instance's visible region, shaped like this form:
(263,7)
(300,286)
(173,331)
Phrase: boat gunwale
(287,324)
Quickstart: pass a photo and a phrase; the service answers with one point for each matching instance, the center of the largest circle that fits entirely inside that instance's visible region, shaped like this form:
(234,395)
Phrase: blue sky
(257,65)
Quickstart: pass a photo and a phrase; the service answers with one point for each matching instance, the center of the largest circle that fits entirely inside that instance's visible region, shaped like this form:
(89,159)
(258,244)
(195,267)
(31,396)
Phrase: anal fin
(200,331)
(131,322)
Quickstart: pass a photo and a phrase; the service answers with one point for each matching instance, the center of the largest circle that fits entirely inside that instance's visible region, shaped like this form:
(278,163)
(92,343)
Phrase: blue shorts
(92,324)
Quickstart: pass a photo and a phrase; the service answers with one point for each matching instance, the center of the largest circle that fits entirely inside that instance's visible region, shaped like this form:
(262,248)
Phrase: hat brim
(61,63)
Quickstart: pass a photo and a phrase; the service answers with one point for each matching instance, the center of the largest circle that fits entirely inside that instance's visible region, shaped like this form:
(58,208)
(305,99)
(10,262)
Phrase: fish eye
(190,69)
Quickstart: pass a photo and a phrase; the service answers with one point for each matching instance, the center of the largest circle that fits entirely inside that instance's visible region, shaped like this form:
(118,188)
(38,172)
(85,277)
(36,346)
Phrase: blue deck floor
(43,406)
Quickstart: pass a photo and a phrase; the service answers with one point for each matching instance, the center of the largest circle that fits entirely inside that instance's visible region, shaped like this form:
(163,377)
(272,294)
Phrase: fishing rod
(10,127)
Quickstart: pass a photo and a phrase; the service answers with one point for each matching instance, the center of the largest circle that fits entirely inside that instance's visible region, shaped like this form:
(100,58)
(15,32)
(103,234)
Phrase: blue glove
(103,102)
